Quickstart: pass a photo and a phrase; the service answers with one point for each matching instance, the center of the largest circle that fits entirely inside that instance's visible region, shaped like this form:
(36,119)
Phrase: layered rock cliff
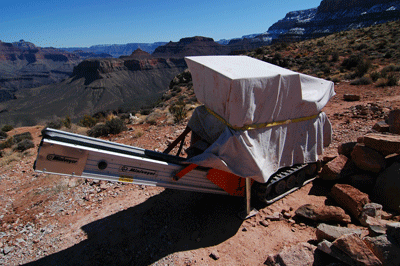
(333,16)
(191,46)
(95,85)
(23,65)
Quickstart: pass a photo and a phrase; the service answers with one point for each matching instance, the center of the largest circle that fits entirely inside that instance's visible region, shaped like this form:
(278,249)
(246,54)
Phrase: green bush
(98,131)
(7,128)
(375,76)
(24,145)
(54,124)
(114,126)
(362,67)
(362,81)
(3,135)
(67,122)
(20,137)
(392,81)
(178,111)
(7,143)
(351,62)
(88,121)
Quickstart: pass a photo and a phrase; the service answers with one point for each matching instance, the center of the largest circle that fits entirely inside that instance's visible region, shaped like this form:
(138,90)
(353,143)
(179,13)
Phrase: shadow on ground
(169,222)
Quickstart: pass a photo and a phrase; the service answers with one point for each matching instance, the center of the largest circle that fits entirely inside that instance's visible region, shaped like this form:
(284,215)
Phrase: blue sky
(83,23)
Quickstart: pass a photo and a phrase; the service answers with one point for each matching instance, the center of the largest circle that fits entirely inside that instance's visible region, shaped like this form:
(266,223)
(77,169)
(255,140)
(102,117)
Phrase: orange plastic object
(233,184)
(185,170)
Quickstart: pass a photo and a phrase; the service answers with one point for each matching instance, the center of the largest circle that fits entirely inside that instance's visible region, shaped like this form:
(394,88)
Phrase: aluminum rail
(69,154)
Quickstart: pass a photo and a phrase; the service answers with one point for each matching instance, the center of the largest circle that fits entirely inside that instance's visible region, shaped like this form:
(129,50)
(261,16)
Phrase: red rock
(381,126)
(364,182)
(394,121)
(346,148)
(384,249)
(367,159)
(351,97)
(323,213)
(387,188)
(384,143)
(334,169)
(300,254)
(330,232)
(356,249)
(349,198)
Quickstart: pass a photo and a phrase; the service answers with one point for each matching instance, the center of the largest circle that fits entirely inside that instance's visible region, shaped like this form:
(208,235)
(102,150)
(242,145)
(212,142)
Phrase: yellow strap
(261,125)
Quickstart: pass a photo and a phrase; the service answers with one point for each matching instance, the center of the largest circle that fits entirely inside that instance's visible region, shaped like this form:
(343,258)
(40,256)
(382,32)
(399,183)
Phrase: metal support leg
(249,212)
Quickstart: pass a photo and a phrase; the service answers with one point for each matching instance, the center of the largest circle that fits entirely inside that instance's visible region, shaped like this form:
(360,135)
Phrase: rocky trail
(55,220)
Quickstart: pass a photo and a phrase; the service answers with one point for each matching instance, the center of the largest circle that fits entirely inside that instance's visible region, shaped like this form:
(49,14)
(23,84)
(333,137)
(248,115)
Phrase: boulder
(372,209)
(368,159)
(349,198)
(327,247)
(383,143)
(394,121)
(353,246)
(387,188)
(384,249)
(331,233)
(323,213)
(338,168)
(351,97)
(346,148)
(363,182)
(371,221)
(376,230)
(393,231)
(300,254)
(381,126)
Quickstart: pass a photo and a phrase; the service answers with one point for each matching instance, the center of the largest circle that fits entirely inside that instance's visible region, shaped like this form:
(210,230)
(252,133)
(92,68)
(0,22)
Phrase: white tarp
(246,91)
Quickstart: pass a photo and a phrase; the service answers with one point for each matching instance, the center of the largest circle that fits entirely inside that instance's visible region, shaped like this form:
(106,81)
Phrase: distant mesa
(191,46)
(138,54)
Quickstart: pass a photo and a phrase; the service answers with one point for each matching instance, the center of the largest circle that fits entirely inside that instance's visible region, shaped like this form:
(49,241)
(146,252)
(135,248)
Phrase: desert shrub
(362,81)
(362,46)
(375,76)
(7,128)
(116,125)
(152,120)
(20,137)
(138,133)
(178,111)
(24,145)
(392,80)
(66,122)
(336,80)
(98,131)
(351,61)
(362,67)
(381,82)
(335,57)
(113,126)
(320,43)
(3,135)
(54,124)
(6,144)
(88,121)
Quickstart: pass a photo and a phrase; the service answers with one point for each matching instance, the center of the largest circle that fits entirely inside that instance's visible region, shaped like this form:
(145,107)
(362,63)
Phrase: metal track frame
(69,154)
